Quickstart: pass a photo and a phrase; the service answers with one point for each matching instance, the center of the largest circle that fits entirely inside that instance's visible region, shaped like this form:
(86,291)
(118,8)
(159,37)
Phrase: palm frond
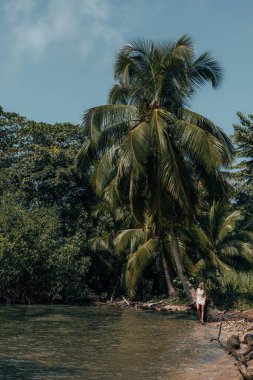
(123,214)
(208,126)
(218,263)
(129,239)
(84,158)
(229,225)
(247,249)
(102,243)
(216,216)
(100,208)
(201,238)
(185,41)
(96,120)
(118,95)
(136,264)
(105,170)
(111,195)
(204,148)
(205,69)
(215,183)
(172,170)
(134,151)
(199,266)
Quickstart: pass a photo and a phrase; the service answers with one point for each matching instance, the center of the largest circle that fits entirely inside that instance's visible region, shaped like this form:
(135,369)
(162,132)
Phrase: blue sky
(57,56)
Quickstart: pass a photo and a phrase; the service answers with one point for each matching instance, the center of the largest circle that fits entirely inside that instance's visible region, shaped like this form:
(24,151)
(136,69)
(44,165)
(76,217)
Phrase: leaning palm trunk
(188,287)
(171,289)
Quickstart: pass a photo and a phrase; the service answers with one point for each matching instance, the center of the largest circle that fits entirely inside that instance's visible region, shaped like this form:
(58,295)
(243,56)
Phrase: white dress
(200,296)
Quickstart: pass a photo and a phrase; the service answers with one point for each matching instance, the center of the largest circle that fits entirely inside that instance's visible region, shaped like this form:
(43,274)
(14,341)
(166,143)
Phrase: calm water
(65,342)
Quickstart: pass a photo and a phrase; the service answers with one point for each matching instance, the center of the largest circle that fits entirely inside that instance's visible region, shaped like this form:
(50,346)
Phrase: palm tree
(148,149)
(221,241)
(142,249)
(134,243)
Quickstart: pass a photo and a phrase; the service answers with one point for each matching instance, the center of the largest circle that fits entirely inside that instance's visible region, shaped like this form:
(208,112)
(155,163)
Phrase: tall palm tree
(222,240)
(148,149)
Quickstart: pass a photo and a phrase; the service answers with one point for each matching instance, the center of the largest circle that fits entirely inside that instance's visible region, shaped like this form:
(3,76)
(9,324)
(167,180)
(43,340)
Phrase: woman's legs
(198,310)
(202,313)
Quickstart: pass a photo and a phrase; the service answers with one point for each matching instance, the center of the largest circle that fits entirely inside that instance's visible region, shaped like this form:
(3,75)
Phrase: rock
(233,343)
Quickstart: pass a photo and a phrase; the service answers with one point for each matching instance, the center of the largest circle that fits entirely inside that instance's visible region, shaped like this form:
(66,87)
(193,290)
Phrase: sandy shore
(234,322)
(218,367)
(222,369)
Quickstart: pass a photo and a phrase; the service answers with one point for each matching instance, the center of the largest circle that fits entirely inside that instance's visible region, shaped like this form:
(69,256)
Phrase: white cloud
(35,26)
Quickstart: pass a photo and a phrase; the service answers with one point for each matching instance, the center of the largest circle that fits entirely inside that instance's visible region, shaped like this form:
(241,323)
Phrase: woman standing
(201,301)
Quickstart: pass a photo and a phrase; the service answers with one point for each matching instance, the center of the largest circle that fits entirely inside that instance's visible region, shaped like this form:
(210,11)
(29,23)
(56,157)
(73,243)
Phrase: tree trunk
(171,289)
(188,287)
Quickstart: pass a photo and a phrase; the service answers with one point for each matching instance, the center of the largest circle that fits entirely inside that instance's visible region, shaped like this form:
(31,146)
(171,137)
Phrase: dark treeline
(46,222)
(144,199)
(59,243)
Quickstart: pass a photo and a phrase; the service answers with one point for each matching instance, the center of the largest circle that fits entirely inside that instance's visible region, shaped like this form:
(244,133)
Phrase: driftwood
(126,301)
(246,373)
(152,305)
(233,343)
(218,337)
(162,305)
(246,358)
(247,355)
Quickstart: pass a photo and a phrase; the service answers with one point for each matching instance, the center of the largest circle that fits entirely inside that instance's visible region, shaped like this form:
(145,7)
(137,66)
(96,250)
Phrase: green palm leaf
(130,239)
(136,264)
(229,225)
(105,170)
(98,119)
(103,243)
(204,69)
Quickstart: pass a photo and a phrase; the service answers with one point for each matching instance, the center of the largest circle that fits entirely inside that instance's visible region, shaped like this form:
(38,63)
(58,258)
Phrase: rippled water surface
(65,342)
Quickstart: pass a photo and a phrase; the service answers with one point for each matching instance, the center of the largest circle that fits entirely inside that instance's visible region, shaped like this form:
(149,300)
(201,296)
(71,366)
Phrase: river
(100,343)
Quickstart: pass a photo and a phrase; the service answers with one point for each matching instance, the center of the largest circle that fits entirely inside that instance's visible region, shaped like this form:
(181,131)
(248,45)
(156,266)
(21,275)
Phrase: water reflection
(64,342)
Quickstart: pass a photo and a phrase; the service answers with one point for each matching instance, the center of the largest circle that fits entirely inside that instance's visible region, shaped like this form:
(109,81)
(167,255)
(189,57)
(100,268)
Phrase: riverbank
(222,368)
(229,317)
(220,324)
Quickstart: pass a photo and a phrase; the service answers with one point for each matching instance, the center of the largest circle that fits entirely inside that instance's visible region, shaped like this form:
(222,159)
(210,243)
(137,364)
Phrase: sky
(57,56)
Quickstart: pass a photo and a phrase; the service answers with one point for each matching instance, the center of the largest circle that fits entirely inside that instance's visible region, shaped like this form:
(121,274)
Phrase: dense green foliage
(136,200)
(224,238)
(243,175)
(44,251)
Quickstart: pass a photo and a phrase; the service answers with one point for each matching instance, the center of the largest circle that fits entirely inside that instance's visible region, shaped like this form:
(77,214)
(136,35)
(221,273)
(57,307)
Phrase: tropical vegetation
(144,199)
(150,152)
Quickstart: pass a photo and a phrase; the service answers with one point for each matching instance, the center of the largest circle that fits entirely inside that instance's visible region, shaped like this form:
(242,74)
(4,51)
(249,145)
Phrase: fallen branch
(126,301)
(241,360)
(152,304)
(246,373)
(218,337)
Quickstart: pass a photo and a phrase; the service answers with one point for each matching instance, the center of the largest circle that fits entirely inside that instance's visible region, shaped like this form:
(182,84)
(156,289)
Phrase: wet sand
(221,367)
(219,364)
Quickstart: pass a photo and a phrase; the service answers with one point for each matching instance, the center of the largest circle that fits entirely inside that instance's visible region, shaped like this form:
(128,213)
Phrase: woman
(201,301)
